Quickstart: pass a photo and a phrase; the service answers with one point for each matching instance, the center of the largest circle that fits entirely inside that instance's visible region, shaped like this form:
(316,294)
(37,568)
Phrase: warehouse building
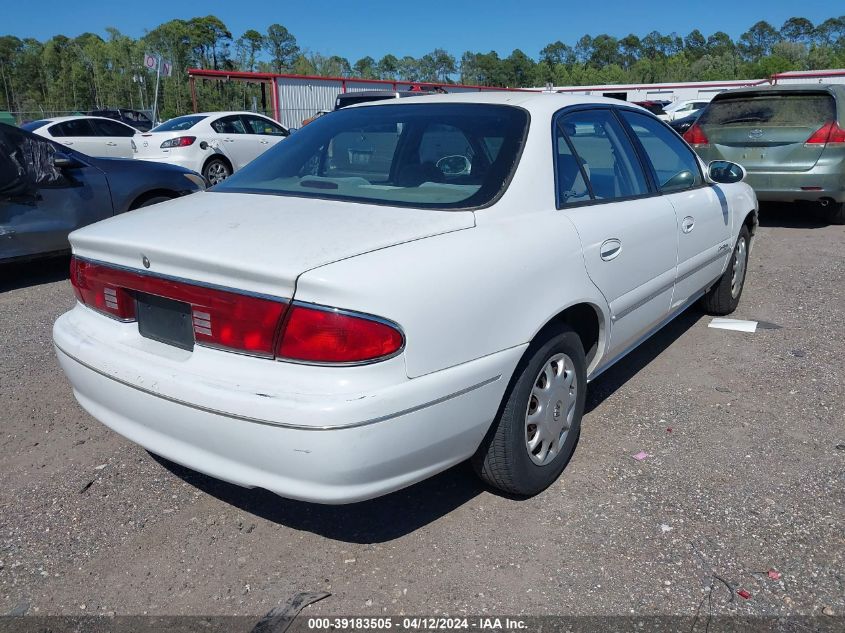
(291,99)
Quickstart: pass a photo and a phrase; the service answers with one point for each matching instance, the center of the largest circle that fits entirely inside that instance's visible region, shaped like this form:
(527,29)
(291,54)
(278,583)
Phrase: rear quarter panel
(467,294)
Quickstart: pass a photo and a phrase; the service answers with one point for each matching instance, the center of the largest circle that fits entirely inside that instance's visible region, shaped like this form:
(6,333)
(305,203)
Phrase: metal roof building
(294,98)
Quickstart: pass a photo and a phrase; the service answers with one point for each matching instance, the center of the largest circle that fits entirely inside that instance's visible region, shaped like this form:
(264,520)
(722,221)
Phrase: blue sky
(354,29)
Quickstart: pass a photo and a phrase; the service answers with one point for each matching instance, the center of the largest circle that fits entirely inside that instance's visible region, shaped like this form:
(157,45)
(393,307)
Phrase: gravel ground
(745,432)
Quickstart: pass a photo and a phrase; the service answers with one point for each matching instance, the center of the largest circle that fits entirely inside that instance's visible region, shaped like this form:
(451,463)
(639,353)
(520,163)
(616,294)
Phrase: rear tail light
(231,320)
(221,318)
(321,335)
(95,289)
(179,141)
(696,137)
(827,134)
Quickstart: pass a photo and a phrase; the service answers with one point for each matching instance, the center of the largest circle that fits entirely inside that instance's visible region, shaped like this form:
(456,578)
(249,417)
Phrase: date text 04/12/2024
(411,623)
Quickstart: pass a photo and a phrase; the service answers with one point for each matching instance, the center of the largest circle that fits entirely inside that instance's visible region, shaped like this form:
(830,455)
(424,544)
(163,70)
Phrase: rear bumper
(791,186)
(286,428)
(189,162)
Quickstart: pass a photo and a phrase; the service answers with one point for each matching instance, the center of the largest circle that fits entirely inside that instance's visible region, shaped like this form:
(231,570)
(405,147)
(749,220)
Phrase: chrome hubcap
(551,409)
(217,172)
(738,268)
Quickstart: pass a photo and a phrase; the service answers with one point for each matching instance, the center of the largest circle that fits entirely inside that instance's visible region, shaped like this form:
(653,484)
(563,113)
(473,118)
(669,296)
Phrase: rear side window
(604,155)
(179,123)
(229,125)
(675,165)
(74,127)
(776,110)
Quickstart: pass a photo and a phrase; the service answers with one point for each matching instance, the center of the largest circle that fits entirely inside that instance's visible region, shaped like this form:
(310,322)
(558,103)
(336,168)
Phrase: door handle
(264,142)
(229,140)
(110,144)
(67,142)
(610,249)
(688,224)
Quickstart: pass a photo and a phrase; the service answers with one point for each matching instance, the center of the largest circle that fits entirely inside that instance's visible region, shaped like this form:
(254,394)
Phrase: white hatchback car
(215,144)
(91,135)
(403,286)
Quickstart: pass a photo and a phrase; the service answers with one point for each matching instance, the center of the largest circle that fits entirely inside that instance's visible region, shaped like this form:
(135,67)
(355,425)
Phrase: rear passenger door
(703,216)
(628,231)
(80,135)
(235,142)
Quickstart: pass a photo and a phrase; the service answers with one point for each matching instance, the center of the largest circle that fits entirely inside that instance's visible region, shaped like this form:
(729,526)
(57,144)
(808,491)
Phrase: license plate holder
(165,320)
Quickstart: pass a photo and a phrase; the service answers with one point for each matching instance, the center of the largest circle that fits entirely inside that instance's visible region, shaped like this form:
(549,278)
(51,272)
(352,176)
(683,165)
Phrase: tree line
(66,74)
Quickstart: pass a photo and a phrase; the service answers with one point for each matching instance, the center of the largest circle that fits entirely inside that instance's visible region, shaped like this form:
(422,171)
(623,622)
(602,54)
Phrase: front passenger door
(701,210)
(627,231)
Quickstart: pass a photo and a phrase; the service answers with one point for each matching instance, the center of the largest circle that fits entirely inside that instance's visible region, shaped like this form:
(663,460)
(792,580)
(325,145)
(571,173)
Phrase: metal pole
(155,99)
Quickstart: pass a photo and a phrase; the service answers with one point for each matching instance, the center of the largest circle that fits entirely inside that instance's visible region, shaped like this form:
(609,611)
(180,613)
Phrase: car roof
(536,102)
(61,119)
(837,89)
(223,113)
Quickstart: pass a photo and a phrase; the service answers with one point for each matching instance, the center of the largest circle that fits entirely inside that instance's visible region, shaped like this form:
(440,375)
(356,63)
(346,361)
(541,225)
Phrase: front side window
(437,155)
(259,125)
(180,123)
(675,164)
(604,155)
(112,128)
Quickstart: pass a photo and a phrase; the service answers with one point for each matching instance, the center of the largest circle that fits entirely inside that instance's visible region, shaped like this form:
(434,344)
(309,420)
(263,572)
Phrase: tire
(151,201)
(723,297)
(511,457)
(835,213)
(216,171)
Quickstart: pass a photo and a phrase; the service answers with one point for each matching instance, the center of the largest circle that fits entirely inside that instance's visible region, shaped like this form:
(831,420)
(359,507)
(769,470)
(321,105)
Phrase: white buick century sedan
(399,287)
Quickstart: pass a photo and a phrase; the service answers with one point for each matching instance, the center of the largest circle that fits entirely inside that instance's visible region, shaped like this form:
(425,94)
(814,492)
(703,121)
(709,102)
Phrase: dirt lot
(745,432)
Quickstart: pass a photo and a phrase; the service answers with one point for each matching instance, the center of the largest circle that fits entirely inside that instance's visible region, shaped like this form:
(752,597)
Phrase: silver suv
(788,138)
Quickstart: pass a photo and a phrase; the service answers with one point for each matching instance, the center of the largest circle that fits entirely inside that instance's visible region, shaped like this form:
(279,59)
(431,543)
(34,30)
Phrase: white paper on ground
(733,324)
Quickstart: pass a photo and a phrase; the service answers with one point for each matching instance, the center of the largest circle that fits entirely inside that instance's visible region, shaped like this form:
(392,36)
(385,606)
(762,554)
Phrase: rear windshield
(777,110)
(179,123)
(34,125)
(436,155)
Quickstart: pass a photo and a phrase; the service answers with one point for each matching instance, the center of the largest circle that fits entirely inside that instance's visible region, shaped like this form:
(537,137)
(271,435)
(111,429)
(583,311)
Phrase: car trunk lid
(768,132)
(252,242)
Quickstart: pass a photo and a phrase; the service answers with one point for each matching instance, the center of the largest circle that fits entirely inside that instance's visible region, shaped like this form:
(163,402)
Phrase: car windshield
(179,123)
(778,110)
(436,155)
(34,125)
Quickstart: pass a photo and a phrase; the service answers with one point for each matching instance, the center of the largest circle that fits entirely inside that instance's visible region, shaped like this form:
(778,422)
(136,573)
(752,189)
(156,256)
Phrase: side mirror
(64,161)
(456,165)
(725,172)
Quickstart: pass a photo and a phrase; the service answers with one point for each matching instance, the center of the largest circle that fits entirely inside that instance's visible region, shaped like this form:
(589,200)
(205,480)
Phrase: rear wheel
(835,213)
(537,428)
(216,171)
(723,297)
(151,201)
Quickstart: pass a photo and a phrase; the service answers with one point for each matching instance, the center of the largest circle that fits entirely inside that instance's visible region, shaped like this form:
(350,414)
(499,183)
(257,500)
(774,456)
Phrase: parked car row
(215,144)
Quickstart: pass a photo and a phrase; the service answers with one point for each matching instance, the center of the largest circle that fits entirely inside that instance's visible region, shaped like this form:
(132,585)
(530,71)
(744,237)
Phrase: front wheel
(723,297)
(538,425)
